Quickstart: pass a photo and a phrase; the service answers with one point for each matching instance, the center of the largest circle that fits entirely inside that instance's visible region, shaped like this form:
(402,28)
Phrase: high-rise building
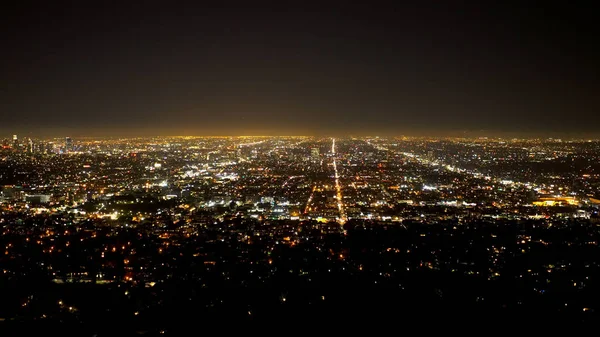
(15,142)
(38,147)
(314,152)
(430,155)
(52,147)
(30,148)
(68,144)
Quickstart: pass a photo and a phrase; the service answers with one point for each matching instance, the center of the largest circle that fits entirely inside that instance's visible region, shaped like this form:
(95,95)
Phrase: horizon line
(479,137)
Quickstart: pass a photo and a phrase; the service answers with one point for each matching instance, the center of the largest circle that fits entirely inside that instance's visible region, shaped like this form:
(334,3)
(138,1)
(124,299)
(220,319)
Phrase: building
(52,148)
(430,155)
(39,147)
(68,144)
(37,198)
(30,148)
(11,192)
(556,201)
(314,153)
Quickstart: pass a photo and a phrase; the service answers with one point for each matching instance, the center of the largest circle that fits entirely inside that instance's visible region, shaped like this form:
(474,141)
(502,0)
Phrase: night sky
(418,67)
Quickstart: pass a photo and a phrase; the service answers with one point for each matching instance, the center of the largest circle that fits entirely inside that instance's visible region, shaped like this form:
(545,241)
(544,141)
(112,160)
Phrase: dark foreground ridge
(246,276)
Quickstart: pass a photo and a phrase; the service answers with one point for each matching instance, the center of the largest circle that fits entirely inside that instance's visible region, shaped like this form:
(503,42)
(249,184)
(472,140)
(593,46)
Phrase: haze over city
(382,68)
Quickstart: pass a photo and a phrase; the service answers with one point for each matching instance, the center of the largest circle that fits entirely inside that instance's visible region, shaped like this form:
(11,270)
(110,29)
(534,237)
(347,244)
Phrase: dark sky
(403,67)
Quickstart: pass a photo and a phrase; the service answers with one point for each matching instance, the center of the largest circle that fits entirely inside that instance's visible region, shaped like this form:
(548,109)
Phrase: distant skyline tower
(430,155)
(38,147)
(68,144)
(15,142)
(314,152)
(30,148)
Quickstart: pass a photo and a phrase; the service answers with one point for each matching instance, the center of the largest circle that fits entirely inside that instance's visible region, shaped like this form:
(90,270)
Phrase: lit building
(68,144)
(314,152)
(30,148)
(556,201)
(37,198)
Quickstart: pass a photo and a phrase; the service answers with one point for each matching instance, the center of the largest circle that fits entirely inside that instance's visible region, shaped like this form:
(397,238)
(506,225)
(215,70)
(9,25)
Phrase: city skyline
(166,234)
(125,134)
